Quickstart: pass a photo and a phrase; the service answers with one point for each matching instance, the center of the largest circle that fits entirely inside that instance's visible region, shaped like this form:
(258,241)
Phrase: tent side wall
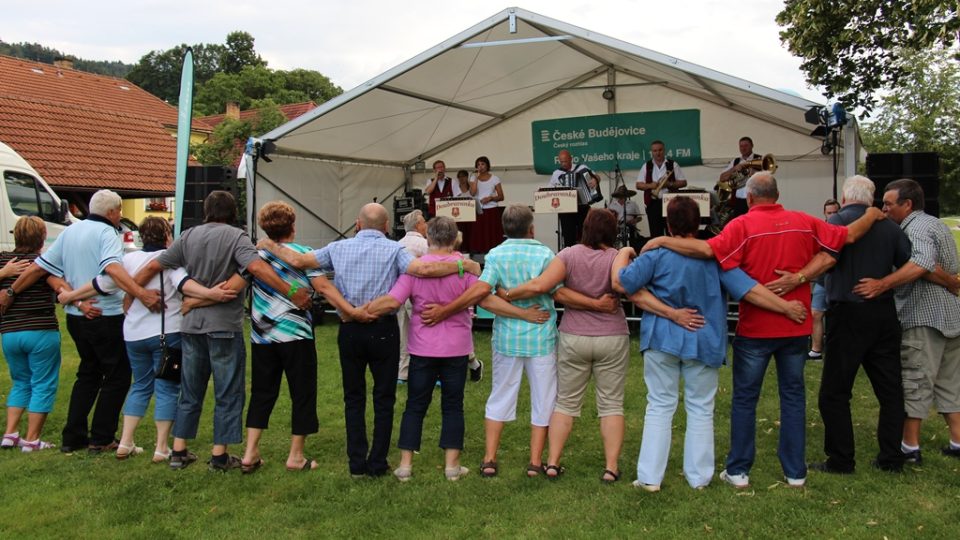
(327,195)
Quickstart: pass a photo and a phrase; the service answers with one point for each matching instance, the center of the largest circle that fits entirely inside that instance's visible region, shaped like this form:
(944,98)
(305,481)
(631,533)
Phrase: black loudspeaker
(924,167)
(200,182)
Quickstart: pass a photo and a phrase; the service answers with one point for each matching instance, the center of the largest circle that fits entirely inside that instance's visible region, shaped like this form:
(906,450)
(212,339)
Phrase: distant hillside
(40,53)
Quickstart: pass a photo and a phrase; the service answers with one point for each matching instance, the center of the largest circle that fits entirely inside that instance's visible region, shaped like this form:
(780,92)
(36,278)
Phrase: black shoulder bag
(171,358)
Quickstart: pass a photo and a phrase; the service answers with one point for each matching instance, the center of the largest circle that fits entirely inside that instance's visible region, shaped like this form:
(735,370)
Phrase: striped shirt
(512,263)
(366,266)
(274,318)
(33,308)
(923,303)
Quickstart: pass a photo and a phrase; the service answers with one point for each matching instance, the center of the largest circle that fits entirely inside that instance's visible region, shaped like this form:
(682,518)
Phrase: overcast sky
(355,40)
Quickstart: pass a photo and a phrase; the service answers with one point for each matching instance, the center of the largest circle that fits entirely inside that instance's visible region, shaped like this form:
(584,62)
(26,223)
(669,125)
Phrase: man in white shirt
(649,180)
(415,242)
(566,176)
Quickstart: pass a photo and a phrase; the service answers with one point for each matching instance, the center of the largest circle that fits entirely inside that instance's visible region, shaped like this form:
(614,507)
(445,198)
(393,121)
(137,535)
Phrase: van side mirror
(62,211)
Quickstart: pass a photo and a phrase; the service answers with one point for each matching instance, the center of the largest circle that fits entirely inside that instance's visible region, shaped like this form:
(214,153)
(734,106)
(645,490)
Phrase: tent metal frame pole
(511,113)
(443,102)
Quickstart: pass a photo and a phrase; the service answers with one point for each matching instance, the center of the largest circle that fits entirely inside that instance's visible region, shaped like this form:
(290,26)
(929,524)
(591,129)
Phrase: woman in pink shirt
(439,352)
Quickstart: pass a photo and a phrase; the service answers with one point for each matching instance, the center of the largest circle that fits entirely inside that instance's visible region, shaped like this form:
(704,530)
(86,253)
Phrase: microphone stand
(618,180)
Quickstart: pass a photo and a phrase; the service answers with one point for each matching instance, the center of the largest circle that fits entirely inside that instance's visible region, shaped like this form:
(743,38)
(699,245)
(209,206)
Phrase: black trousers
(377,346)
(655,218)
(571,225)
(103,378)
(866,334)
(298,359)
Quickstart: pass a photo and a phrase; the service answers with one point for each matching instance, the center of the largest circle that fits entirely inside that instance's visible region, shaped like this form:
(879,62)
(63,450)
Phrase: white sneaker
(455,473)
(739,481)
(649,488)
(795,482)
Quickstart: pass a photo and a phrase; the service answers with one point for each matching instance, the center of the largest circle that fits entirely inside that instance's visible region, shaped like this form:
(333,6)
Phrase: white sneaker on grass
(795,482)
(739,481)
(649,488)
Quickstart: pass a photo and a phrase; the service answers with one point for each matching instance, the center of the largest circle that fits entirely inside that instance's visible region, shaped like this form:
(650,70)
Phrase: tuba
(726,189)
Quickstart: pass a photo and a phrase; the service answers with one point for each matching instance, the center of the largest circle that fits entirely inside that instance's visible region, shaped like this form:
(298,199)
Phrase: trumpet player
(736,175)
(656,176)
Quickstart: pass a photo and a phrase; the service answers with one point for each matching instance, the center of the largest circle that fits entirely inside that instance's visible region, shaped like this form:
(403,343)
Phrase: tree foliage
(226,142)
(47,55)
(854,48)
(158,72)
(922,114)
(255,83)
(232,71)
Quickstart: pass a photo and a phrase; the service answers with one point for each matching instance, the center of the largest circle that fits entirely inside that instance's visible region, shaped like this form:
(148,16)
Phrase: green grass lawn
(55,495)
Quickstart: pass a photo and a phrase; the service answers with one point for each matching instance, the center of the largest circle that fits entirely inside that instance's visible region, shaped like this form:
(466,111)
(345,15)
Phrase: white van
(24,193)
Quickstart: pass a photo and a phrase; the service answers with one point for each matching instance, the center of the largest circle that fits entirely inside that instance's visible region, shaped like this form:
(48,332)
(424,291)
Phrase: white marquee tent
(477,94)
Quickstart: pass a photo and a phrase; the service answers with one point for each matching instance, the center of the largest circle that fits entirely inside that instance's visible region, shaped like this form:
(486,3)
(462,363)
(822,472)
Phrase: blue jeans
(33,357)
(750,359)
(223,355)
(145,356)
(424,372)
(661,374)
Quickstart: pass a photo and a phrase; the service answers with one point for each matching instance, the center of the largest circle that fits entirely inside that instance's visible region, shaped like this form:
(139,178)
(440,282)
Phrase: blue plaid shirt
(512,263)
(366,266)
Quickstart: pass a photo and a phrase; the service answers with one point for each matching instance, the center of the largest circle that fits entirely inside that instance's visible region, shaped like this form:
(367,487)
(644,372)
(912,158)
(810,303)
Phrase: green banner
(602,142)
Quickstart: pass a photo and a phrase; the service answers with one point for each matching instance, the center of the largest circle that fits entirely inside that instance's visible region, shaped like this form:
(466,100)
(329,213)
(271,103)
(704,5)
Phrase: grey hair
(441,232)
(763,185)
(410,220)
(858,189)
(517,219)
(103,201)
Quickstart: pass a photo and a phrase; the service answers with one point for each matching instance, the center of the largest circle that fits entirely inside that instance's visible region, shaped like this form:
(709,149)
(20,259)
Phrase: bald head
(373,216)
(762,188)
(565,160)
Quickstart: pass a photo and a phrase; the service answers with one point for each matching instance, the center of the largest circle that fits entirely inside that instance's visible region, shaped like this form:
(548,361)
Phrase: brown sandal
(534,471)
(614,476)
(556,469)
(488,466)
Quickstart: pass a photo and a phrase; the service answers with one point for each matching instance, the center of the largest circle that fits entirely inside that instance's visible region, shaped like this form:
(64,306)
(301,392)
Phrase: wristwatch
(10,292)
(803,278)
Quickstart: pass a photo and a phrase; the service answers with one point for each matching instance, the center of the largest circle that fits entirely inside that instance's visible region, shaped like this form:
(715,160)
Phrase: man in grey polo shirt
(929,312)
(212,254)
(103,375)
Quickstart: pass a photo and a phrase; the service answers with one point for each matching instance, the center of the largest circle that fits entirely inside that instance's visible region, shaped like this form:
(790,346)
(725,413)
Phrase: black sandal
(488,466)
(557,469)
(534,471)
(608,472)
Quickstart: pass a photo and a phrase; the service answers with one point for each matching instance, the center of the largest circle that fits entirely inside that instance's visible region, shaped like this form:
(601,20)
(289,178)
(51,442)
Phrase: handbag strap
(163,314)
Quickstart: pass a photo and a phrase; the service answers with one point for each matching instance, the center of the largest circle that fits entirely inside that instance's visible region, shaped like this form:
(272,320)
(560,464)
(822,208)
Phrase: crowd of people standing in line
(764,258)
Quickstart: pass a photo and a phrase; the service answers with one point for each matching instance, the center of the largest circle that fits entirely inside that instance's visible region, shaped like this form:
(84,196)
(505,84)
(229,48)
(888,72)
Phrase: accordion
(578,179)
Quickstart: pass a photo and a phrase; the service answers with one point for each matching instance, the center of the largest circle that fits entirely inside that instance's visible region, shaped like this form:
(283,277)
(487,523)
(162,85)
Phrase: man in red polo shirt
(783,249)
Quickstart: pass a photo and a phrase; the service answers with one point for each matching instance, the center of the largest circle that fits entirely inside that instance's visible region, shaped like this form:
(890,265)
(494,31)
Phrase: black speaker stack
(199,183)
(403,205)
(924,167)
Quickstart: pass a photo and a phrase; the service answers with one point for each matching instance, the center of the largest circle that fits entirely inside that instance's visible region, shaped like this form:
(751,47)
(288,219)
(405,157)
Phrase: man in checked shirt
(929,313)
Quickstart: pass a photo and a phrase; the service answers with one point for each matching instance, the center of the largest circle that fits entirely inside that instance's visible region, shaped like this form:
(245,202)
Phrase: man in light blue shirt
(82,252)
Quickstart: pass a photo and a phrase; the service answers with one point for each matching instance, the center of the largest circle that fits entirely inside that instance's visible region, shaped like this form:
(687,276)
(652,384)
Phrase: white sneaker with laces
(739,481)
